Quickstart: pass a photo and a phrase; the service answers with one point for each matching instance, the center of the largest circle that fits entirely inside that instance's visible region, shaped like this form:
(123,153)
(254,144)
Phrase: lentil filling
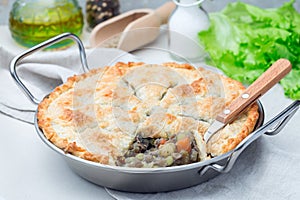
(149,152)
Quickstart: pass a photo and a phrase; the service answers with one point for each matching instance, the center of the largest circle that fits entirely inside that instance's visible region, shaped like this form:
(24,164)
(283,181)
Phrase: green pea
(140,156)
(169,160)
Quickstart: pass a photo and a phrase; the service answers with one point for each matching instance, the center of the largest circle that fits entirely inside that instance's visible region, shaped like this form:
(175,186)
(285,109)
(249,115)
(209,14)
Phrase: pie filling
(178,149)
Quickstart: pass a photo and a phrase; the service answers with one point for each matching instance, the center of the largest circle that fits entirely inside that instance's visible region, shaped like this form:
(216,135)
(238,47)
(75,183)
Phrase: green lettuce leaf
(244,40)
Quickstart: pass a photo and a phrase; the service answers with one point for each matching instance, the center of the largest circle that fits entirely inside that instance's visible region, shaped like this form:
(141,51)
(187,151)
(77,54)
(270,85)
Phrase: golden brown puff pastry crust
(96,115)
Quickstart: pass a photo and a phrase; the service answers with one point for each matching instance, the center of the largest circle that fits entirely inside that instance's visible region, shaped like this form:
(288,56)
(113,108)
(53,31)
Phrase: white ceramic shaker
(187,20)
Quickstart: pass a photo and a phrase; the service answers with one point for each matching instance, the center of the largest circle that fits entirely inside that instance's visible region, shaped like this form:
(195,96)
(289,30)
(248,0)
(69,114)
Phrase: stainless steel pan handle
(272,127)
(43,45)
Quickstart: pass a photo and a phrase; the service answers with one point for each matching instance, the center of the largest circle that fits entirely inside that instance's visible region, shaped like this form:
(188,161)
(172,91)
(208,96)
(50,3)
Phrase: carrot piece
(162,141)
(184,144)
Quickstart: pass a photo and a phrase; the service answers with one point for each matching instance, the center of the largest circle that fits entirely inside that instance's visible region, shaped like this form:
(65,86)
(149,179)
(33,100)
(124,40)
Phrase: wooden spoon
(132,29)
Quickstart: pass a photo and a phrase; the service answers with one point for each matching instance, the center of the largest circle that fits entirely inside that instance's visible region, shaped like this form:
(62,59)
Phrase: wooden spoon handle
(260,86)
(165,11)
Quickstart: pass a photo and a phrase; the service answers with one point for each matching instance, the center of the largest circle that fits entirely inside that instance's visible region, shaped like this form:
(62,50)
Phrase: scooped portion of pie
(143,115)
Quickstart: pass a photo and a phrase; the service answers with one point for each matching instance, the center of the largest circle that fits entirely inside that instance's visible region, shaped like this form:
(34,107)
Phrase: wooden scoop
(132,29)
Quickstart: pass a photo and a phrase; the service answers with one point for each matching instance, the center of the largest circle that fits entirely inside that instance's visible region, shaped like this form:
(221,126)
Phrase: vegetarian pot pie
(143,115)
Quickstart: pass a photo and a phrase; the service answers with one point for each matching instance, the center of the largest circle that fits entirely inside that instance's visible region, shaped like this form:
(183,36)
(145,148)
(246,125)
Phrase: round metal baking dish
(152,179)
